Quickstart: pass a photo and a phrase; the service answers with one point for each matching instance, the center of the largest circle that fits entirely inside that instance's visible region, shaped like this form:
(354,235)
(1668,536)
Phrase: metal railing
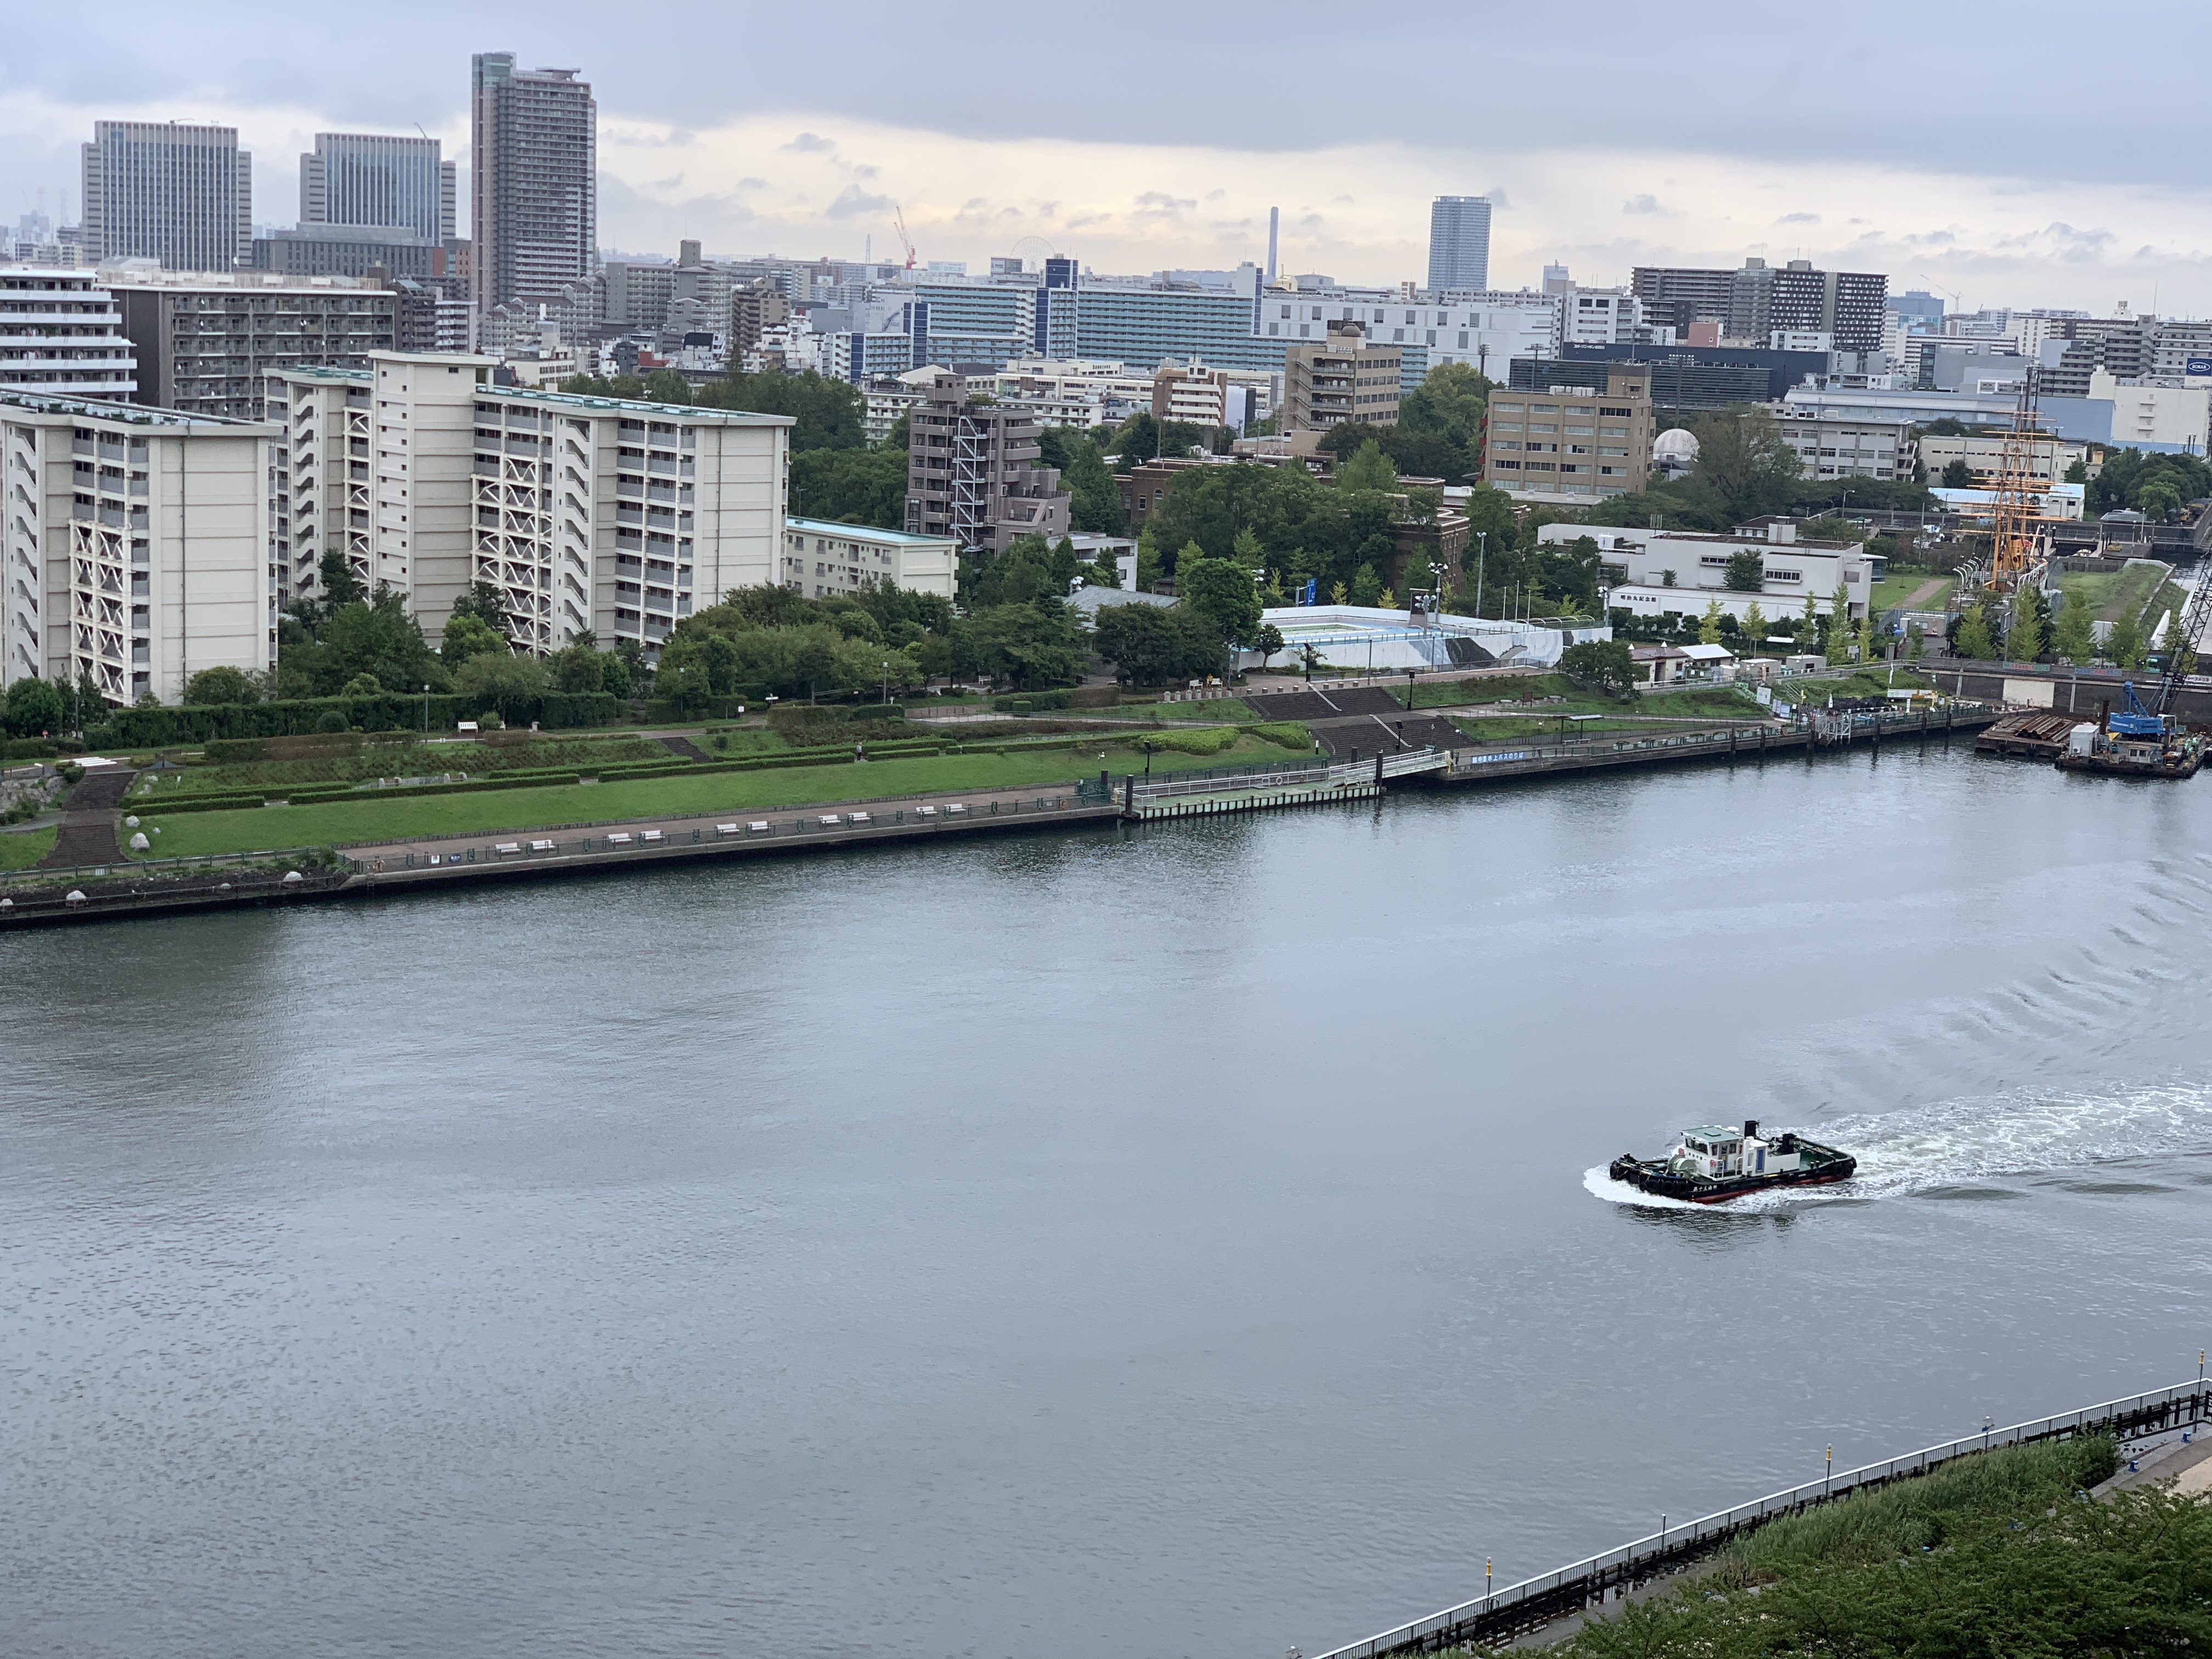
(1536,1601)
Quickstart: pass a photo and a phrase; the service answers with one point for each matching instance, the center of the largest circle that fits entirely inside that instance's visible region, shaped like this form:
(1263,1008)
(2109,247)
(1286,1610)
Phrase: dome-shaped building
(1674,453)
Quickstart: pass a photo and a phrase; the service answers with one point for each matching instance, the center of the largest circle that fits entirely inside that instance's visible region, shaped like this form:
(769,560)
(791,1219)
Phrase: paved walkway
(89,818)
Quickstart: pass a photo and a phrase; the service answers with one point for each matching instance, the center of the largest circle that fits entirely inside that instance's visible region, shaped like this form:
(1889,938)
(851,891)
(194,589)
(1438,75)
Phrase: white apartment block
(133,545)
(2049,459)
(1486,329)
(2153,414)
(1833,446)
(822,559)
(1598,316)
(1677,572)
(61,333)
(596,513)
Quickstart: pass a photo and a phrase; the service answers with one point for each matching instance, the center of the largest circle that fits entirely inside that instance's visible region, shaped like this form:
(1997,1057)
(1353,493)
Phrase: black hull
(1696,1189)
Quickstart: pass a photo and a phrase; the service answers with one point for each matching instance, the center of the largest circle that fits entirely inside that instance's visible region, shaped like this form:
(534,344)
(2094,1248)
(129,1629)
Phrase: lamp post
(426,709)
(1481,556)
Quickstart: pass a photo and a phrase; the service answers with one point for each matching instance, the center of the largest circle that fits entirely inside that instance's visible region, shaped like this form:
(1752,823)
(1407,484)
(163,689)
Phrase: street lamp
(1482,555)
(426,709)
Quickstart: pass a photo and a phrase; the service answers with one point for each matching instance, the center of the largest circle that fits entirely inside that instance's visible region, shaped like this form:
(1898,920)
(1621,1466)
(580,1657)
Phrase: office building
(1459,246)
(2126,348)
(534,189)
(1986,455)
(181,196)
(1754,302)
(1841,446)
(1343,380)
(1571,444)
(206,341)
(1146,321)
(1682,377)
(374,180)
(312,250)
(1485,332)
(823,559)
(972,472)
(133,545)
(61,333)
(596,513)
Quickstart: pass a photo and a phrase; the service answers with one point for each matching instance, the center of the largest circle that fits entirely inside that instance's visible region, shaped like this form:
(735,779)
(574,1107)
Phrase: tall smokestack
(1275,225)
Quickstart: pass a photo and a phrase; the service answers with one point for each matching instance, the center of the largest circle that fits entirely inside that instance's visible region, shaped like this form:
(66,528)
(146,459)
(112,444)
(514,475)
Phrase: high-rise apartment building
(180,195)
(595,514)
(372,179)
(61,333)
(1344,380)
(205,342)
(972,472)
(1571,444)
(534,190)
(134,545)
(1459,244)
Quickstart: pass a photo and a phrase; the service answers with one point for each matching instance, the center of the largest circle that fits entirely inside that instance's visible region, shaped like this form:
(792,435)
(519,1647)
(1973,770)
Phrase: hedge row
(154,728)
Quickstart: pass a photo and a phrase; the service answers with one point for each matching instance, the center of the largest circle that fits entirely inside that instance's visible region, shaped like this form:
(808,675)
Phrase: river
(1122,1243)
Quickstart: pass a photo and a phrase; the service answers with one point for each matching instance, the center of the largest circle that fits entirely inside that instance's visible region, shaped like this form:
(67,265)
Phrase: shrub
(1204,740)
(331,720)
(1030,703)
(1289,734)
(235,751)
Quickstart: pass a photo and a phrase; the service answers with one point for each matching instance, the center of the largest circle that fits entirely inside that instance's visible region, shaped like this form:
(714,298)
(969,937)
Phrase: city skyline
(1921,190)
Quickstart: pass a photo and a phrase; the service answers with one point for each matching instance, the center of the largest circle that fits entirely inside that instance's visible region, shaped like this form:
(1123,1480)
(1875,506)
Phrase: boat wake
(1973,1145)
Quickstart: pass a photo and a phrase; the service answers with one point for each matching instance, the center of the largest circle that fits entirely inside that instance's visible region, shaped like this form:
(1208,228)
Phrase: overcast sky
(2023,156)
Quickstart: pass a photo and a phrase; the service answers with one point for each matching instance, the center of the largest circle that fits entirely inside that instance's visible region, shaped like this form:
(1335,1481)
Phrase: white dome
(1674,444)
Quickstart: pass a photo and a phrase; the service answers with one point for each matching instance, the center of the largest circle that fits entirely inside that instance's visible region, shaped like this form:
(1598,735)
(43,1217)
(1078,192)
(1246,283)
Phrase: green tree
(485,602)
(339,584)
(2125,646)
(1747,571)
(1094,499)
(850,486)
(1809,624)
(362,685)
(1104,571)
(2077,472)
(1034,644)
(576,669)
(2174,645)
(1974,640)
(221,685)
(1957,475)
(34,709)
(1840,625)
(2159,499)
(2074,637)
(2024,639)
(1745,467)
(467,634)
(1222,590)
(826,413)
(1366,585)
(1148,560)
(513,685)
(1369,469)
(1155,645)
(1605,664)
(1754,624)
(1267,641)
(1709,625)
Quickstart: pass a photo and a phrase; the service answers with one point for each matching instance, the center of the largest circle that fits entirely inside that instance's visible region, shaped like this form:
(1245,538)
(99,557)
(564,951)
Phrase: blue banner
(1313,587)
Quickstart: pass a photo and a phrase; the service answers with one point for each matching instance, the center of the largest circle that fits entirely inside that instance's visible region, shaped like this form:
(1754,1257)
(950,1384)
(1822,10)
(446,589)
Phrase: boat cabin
(1717,1152)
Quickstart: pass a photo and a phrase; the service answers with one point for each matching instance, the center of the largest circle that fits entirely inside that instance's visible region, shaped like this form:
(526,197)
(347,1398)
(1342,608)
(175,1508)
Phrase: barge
(1712,1164)
(2134,742)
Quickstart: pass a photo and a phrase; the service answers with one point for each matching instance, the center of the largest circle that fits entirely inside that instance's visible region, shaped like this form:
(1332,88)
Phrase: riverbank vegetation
(21,849)
(1999,1554)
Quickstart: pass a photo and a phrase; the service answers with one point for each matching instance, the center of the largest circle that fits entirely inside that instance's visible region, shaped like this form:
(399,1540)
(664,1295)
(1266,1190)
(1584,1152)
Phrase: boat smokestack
(1751,1128)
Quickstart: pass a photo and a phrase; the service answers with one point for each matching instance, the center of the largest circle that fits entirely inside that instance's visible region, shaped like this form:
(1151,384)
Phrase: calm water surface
(1103,1244)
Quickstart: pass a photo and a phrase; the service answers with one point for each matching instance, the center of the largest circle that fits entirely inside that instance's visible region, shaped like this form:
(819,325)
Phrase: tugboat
(1712,1164)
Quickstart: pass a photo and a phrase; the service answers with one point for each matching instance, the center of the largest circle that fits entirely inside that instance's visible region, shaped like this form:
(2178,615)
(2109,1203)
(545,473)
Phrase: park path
(1926,592)
(88,821)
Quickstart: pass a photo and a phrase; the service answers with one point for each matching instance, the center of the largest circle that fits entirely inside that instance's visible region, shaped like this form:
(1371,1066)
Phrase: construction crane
(2016,543)
(2194,616)
(898,218)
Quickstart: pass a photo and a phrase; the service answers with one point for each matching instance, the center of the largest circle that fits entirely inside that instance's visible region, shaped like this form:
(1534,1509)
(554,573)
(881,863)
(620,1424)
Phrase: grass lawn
(2111,597)
(188,834)
(1227,710)
(1900,586)
(21,849)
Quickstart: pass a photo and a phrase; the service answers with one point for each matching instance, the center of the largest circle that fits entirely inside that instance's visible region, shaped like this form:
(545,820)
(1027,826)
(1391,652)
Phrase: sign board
(2037,692)
(1765,695)
(2198,366)
(1313,587)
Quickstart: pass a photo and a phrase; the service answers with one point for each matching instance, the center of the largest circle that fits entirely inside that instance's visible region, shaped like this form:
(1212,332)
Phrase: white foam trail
(1958,1142)
(1599,1184)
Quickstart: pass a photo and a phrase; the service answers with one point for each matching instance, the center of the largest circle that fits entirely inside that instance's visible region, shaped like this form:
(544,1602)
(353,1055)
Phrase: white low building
(1360,638)
(1676,572)
(822,559)
(1846,446)
(135,545)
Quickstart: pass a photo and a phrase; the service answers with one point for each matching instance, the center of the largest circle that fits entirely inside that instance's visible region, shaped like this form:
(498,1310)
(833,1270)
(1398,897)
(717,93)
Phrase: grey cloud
(1640,204)
(1799,219)
(853,201)
(1155,201)
(1498,198)
(809,144)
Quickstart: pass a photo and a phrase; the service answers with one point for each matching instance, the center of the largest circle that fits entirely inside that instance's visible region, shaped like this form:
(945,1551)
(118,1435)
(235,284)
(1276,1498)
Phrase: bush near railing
(153,728)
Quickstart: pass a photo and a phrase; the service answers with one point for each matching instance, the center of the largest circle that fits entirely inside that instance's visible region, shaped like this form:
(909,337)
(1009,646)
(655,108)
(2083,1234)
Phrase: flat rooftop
(868,531)
(106,408)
